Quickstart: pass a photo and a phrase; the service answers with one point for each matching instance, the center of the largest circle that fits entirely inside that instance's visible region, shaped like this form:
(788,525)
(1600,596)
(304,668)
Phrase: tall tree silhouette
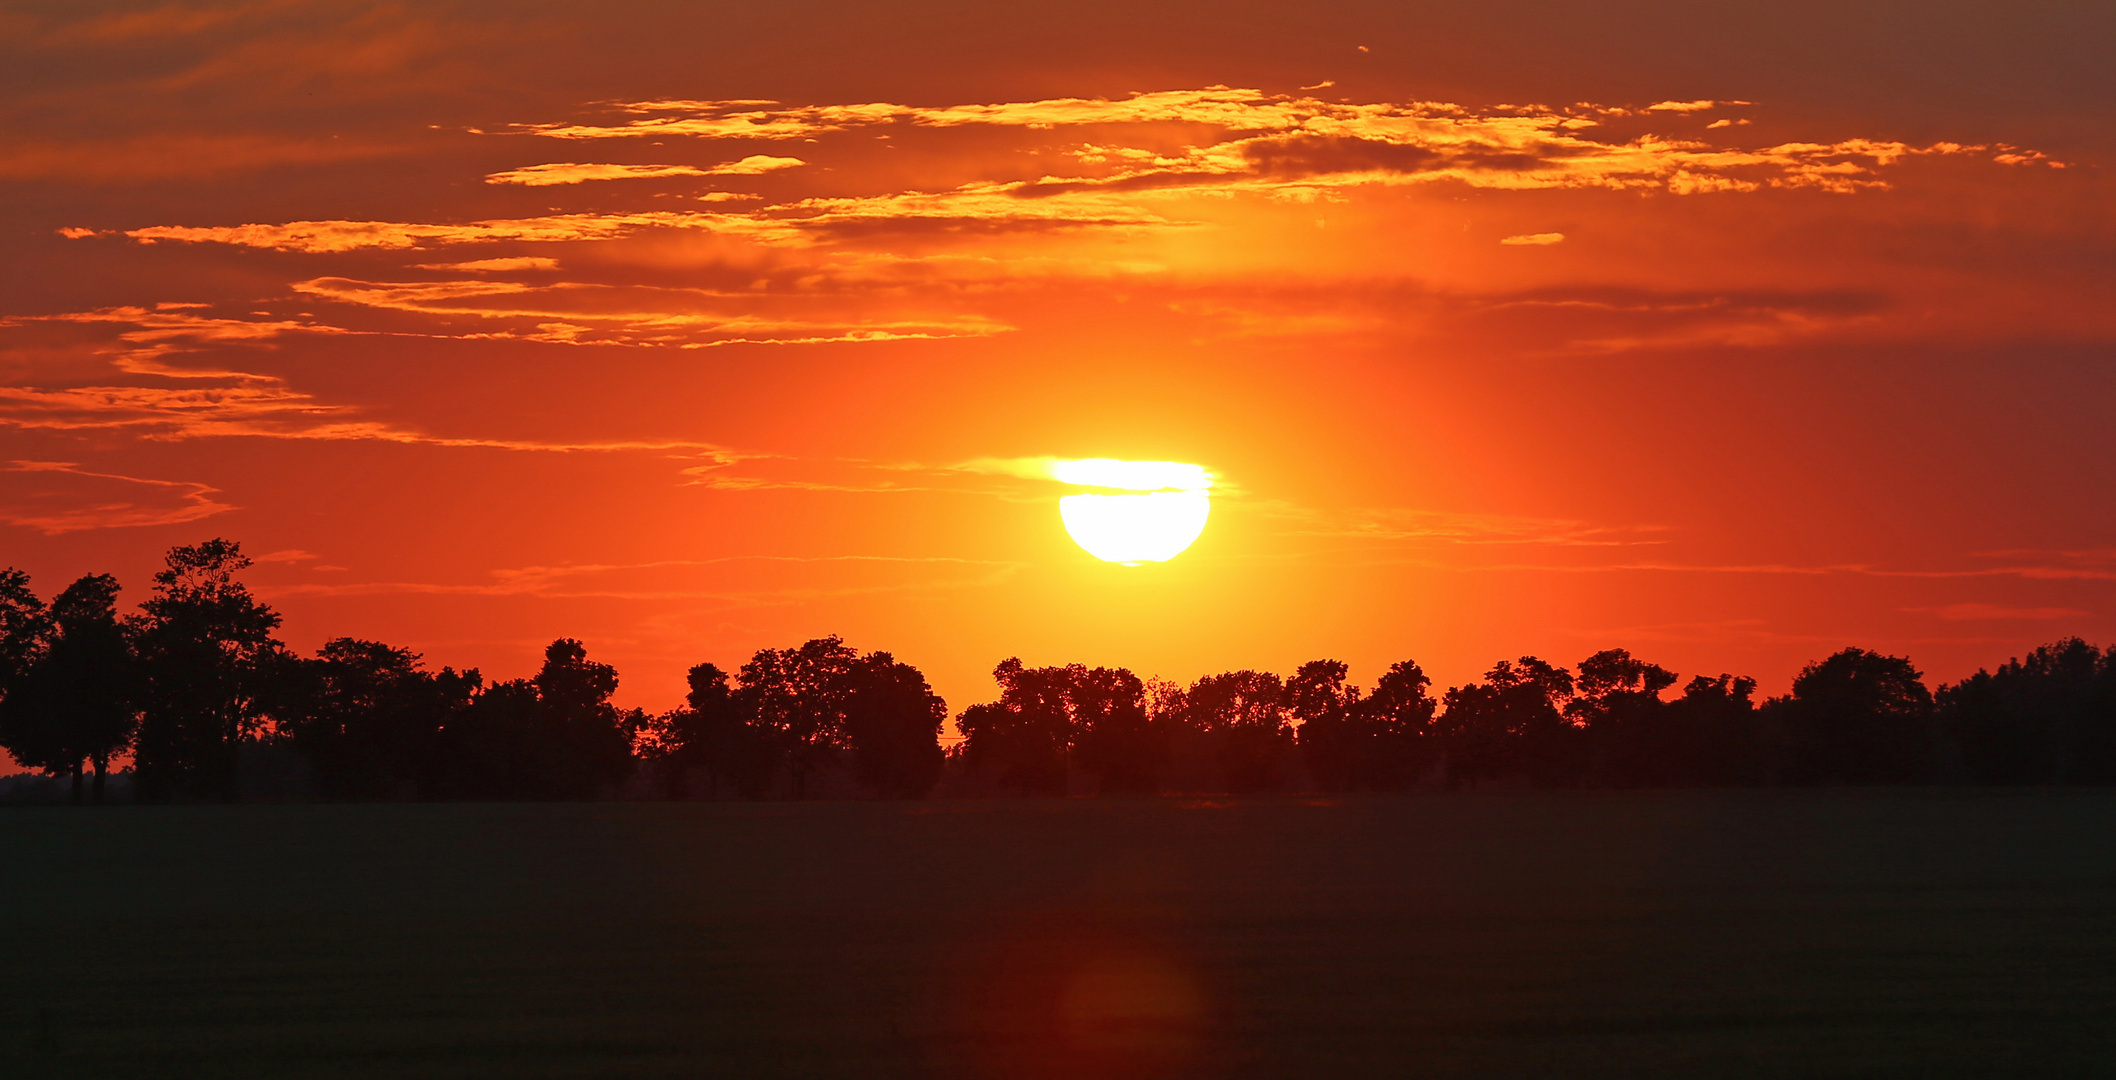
(370,719)
(555,736)
(892,721)
(1859,717)
(207,658)
(1245,713)
(1715,722)
(1629,730)
(1026,736)
(803,711)
(796,697)
(711,738)
(1383,741)
(1117,743)
(587,747)
(2043,718)
(73,704)
(25,633)
(1331,737)
(1513,724)
(22,627)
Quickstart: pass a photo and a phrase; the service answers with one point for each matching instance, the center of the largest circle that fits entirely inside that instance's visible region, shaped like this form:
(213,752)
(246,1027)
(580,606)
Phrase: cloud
(1127,176)
(269,411)
(1286,136)
(583,313)
(755,165)
(1690,106)
(173,329)
(568,172)
(1219,106)
(319,237)
(1020,468)
(1535,239)
(55,497)
(500,265)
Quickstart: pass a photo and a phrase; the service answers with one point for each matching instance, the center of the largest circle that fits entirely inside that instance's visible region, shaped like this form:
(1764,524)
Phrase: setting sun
(1162,513)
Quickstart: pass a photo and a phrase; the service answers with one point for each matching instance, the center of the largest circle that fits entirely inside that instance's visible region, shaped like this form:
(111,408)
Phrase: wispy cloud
(589,313)
(505,264)
(1279,137)
(272,412)
(1272,146)
(571,172)
(173,328)
(323,237)
(55,497)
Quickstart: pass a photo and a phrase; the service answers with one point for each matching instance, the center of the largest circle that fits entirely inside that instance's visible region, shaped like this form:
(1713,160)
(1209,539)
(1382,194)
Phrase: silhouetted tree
(1513,724)
(810,708)
(22,627)
(1383,741)
(2039,719)
(1715,721)
(1629,729)
(589,747)
(1117,742)
(369,719)
(556,736)
(73,703)
(892,721)
(711,738)
(1245,713)
(796,698)
(1859,717)
(1332,739)
(1026,735)
(207,659)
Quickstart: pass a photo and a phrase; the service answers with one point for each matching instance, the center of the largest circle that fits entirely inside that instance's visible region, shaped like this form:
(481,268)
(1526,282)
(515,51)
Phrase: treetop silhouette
(211,706)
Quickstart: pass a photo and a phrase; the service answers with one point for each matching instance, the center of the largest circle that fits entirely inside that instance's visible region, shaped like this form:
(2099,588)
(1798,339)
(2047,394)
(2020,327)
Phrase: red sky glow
(1727,338)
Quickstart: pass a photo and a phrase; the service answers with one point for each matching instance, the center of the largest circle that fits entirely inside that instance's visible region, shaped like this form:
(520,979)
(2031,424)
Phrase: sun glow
(1162,514)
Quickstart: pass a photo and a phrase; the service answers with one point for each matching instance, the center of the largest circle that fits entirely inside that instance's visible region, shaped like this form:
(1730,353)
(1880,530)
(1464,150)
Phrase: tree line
(196,689)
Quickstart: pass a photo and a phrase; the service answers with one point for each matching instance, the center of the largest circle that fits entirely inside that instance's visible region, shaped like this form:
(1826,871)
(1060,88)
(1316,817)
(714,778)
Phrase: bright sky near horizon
(1731,338)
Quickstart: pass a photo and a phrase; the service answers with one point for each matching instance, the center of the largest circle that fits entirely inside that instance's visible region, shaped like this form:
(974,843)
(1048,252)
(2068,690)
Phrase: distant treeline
(211,706)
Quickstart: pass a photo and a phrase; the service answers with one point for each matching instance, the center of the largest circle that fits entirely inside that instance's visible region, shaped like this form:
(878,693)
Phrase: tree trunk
(77,783)
(101,764)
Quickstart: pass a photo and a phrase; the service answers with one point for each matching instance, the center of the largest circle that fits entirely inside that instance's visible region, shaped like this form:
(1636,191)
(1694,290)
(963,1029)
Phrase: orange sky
(1506,328)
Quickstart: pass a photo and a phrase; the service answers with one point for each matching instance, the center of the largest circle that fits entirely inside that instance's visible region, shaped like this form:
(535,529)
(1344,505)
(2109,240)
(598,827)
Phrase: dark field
(1687,935)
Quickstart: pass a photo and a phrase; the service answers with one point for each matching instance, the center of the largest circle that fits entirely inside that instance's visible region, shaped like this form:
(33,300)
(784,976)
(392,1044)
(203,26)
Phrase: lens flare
(1164,513)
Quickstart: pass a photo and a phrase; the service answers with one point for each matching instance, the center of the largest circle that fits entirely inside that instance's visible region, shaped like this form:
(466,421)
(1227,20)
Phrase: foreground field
(1684,935)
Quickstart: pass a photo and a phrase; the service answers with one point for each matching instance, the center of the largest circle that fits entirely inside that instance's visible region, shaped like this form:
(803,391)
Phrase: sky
(1730,337)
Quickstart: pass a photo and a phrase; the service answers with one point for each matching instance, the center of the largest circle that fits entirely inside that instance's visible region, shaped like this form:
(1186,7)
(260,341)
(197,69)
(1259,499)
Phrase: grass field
(1813,934)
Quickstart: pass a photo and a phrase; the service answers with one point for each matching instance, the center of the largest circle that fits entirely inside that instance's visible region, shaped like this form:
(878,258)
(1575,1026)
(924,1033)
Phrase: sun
(1162,511)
